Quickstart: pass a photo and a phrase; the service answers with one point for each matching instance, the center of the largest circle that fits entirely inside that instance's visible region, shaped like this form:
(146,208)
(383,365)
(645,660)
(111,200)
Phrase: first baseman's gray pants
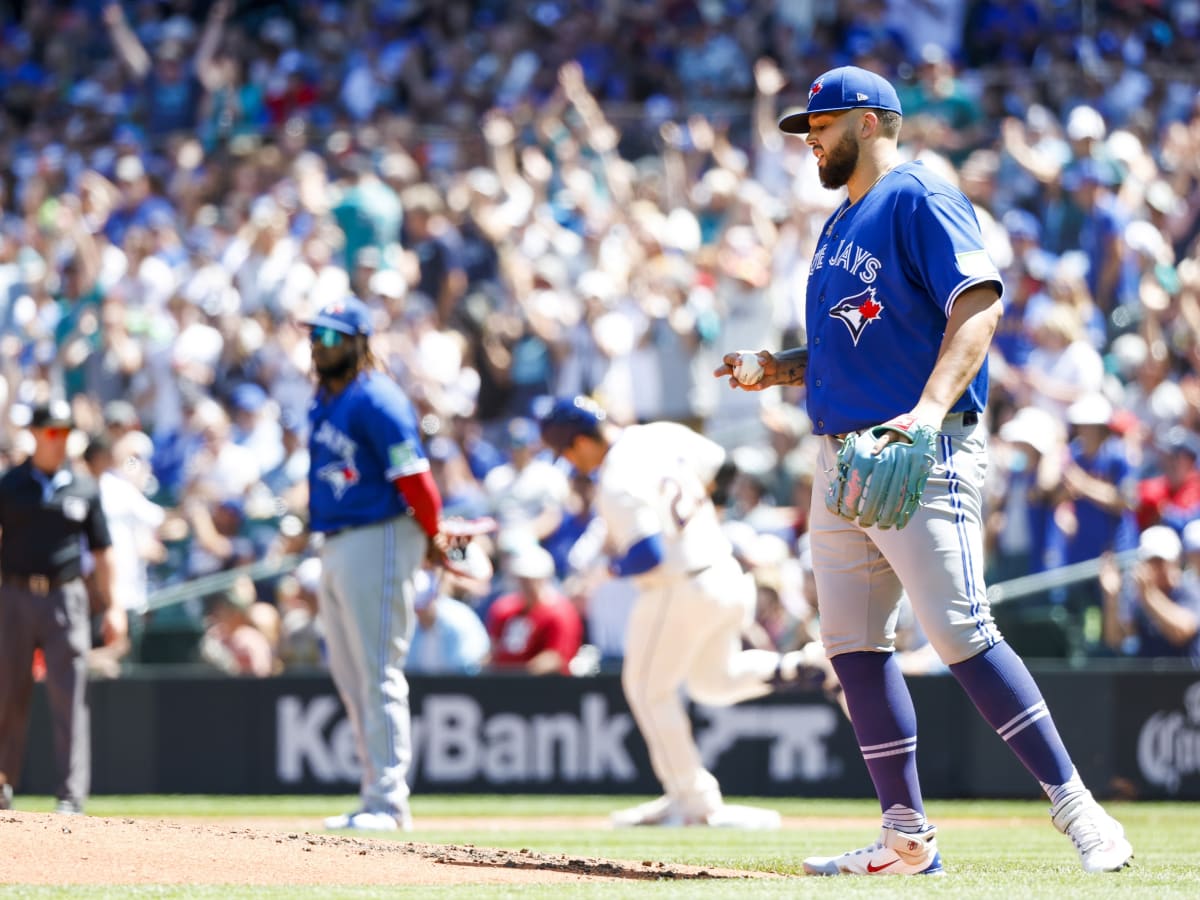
(59,622)
(366,607)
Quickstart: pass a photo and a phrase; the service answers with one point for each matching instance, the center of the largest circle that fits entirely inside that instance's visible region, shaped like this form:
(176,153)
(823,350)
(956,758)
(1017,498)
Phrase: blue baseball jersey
(882,283)
(360,441)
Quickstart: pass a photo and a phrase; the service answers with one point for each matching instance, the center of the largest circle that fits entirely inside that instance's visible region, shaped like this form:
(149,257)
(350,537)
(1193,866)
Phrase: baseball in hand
(748,369)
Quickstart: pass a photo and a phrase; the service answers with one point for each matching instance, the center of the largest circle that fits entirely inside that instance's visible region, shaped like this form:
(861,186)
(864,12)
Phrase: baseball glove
(885,490)
(463,557)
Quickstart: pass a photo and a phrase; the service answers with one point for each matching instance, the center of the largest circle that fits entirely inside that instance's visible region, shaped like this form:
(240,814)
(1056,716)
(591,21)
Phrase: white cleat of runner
(663,813)
(895,853)
(1098,837)
(363,820)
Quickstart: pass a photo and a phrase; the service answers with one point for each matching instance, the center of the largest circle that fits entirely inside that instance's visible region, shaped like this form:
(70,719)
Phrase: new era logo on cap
(847,87)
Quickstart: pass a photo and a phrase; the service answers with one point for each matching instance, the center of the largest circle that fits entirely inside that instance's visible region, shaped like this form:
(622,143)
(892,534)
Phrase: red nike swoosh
(873,869)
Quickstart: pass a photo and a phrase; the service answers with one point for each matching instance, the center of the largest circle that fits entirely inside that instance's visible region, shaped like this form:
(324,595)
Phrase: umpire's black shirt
(46,519)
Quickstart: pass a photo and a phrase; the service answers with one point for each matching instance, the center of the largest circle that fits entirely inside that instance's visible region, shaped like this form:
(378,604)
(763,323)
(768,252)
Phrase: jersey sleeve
(629,518)
(392,433)
(946,248)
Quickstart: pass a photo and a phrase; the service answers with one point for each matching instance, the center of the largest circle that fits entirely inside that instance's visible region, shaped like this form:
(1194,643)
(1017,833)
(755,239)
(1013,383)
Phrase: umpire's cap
(348,315)
(56,414)
(568,418)
(847,87)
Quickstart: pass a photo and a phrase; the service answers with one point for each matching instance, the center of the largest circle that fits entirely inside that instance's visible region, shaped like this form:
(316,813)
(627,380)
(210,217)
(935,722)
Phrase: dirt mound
(43,848)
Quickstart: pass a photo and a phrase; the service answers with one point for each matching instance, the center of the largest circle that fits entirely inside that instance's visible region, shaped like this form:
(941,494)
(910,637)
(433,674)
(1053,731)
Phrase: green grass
(991,849)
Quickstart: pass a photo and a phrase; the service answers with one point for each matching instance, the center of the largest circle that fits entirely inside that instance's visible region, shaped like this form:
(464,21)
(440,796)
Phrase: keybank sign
(455,741)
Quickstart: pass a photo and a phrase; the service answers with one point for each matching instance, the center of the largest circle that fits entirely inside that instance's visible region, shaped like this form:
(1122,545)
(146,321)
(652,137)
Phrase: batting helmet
(568,418)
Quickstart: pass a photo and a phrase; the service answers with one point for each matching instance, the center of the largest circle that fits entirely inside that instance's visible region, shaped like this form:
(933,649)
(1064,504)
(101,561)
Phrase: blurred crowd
(583,196)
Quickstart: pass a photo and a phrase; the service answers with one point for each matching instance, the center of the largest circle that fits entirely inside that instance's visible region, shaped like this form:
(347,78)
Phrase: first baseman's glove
(883,490)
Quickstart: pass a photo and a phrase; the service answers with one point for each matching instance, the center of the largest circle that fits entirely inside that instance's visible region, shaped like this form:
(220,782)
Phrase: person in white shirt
(450,638)
(133,521)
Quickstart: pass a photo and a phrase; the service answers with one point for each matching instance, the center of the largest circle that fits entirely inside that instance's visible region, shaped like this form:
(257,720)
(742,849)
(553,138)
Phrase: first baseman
(372,495)
(902,303)
(653,492)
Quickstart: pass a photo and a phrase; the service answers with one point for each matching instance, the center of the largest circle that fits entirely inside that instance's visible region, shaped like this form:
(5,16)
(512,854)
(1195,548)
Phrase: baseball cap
(1090,409)
(522,432)
(568,418)
(1085,122)
(56,414)
(846,87)
(531,561)
(1033,426)
(1191,536)
(248,397)
(348,315)
(1159,542)
(121,414)
(1179,439)
(1021,223)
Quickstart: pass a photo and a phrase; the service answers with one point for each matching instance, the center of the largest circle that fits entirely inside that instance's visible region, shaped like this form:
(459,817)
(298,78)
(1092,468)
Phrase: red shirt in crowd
(520,632)
(1158,501)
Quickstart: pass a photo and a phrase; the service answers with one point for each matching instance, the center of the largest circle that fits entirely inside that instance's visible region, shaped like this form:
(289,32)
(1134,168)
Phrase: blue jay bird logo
(340,476)
(858,312)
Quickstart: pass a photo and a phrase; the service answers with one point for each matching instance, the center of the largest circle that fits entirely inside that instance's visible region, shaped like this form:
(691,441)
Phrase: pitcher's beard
(840,163)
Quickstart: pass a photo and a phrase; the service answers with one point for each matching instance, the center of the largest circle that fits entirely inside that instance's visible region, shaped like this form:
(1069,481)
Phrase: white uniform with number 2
(685,627)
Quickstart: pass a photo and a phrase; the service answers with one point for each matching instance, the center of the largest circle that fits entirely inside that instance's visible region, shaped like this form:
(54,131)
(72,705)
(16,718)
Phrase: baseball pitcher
(902,303)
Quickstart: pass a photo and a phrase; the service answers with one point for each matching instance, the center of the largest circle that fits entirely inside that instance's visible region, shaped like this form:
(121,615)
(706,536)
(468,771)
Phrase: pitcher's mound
(43,848)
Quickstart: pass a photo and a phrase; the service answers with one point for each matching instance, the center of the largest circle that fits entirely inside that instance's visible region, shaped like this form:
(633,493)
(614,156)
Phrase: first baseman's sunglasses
(326,337)
(55,432)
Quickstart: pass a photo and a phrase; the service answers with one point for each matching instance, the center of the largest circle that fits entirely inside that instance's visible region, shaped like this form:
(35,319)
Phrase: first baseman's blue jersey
(881,286)
(359,441)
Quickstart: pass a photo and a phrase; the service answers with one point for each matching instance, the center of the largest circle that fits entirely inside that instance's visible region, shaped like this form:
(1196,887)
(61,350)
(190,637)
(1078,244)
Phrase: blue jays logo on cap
(858,312)
(348,315)
(847,87)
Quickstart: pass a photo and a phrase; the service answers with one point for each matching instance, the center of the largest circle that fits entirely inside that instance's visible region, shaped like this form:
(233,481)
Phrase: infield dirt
(49,849)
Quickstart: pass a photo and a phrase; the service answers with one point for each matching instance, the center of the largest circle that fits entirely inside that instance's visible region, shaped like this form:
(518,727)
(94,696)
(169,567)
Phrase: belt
(967,419)
(35,584)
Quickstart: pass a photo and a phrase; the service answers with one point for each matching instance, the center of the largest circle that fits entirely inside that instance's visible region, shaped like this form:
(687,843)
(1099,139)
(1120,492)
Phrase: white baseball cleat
(661,811)
(363,820)
(1098,837)
(665,813)
(895,853)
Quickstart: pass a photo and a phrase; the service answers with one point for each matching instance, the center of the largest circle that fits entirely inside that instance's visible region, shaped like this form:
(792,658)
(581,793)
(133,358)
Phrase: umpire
(47,513)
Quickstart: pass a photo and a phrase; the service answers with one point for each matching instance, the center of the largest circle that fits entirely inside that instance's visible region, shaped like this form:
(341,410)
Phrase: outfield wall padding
(1132,734)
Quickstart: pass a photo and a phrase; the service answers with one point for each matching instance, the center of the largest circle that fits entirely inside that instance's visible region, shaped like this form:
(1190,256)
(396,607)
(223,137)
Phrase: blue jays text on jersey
(361,440)
(881,286)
